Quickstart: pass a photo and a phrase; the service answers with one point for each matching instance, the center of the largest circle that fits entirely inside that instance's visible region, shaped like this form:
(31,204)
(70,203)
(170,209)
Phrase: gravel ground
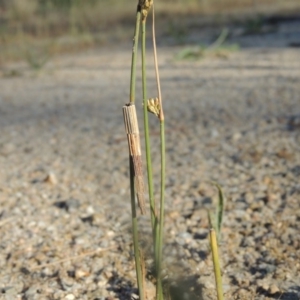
(64,190)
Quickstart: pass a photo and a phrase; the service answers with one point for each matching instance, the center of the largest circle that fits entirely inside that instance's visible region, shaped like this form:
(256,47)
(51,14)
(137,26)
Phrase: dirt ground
(232,117)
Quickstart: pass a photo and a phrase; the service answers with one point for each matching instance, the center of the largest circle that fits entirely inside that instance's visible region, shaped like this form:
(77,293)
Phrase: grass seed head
(153,106)
(145,6)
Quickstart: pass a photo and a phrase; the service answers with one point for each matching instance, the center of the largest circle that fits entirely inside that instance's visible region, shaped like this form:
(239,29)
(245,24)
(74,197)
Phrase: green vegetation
(216,219)
(254,25)
(37,57)
(131,125)
(218,49)
(154,106)
(199,52)
(72,25)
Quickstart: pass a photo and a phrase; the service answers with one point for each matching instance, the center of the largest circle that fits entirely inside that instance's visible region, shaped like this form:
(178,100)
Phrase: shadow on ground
(187,287)
(292,295)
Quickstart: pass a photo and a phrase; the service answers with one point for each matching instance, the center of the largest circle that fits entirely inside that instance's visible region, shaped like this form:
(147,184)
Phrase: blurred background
(34,30)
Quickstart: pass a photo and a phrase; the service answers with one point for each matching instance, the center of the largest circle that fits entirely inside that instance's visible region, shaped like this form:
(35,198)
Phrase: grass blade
(216,261)
(220,210)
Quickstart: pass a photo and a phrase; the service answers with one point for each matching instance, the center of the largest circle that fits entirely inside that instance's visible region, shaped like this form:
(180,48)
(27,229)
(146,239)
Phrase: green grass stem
(154,220)
(218,218)
(159,237)
(138,263)
(147,136)
(220,210)
(134,56)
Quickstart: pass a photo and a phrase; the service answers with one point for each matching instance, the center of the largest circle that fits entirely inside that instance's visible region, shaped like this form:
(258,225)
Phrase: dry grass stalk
(216,261)
(133,137)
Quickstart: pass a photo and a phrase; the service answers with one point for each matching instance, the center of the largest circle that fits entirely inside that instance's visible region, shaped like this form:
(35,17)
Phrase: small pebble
(51,178)
(273,289)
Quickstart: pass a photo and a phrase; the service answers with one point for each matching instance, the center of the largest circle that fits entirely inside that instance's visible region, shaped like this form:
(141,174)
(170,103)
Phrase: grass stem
(159,240)
(147,135)
(134,56)
(216,261)
(159,294)
(138,263)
